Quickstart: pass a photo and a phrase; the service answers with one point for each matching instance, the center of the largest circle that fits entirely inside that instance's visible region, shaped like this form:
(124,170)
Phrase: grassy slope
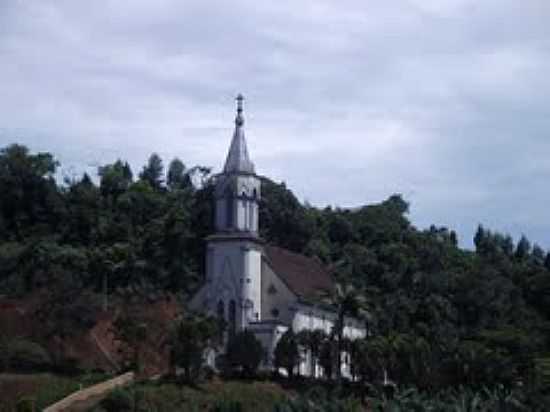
(254,396)
(543,367)
(43,388)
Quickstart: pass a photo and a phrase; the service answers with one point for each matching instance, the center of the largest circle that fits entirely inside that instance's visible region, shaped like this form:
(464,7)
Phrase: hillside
(83,336)
(138,242)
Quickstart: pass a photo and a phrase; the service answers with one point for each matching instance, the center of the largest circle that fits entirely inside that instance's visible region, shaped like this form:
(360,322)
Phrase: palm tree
(312,340)
(392,353)
(349,302)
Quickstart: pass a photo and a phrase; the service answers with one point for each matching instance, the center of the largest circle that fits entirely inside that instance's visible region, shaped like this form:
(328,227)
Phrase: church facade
(251,284)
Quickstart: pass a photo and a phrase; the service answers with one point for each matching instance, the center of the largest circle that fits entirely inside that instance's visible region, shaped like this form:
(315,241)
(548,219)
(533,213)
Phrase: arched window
(251,216)
(229,211)
(232,318)
(220,311)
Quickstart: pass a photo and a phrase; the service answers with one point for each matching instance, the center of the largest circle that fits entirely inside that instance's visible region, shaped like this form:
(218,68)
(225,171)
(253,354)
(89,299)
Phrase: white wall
(276,295)
(234,273)
(253,272)
(312,317)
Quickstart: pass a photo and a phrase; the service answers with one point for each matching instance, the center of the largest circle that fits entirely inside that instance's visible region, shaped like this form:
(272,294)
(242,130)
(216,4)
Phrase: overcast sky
(444,101)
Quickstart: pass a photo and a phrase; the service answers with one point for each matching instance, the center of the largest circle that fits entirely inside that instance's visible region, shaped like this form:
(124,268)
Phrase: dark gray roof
(307,277)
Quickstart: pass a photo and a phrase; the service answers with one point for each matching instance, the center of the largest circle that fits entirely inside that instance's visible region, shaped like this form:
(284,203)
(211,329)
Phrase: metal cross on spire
(239,120)
(239,99)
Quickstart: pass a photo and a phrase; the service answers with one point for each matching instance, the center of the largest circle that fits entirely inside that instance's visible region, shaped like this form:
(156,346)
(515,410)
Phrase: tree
(284,219)
(340,230)
(83,200)
(479,238)
(131,332)
(547,261)
(244,353)
(29,195)
(177,176)
(363,360)
(328,355)
(523,248)
(538,255)
(453,238)
(153,171)
(508,246)
(348,301)
(115,178)
(188,342)
(287,353)
(397,204)
(312,340)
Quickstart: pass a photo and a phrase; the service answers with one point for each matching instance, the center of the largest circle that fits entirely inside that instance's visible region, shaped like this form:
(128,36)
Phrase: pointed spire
(237,158)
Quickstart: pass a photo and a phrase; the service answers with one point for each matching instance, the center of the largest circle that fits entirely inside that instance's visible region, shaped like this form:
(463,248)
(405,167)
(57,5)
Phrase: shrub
(188,341)
(207,373)
(228,406)
(287,354)
(119,400)
(25,355)
(244,353)
(26,405)
(307,404)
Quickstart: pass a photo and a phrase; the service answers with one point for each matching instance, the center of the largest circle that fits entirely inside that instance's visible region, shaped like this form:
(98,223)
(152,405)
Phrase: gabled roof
(306,277)
(237,159)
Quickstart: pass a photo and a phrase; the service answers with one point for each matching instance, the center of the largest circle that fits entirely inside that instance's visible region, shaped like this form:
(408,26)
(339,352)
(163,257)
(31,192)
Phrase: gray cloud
(444,101)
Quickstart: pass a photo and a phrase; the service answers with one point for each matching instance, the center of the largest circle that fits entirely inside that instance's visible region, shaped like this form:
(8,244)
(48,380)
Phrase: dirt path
(85,405)
(84,399)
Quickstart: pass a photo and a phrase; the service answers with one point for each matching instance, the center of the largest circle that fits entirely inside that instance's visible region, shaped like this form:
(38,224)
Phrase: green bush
(119,400)
(26,405)
(307,404)
(287,353)
(25,355)
(228,406)
(244,354)
(207,373)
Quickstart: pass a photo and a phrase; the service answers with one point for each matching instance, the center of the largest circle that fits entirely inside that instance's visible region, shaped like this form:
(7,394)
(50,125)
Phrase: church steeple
(234,257)
(237,160)
(238,188)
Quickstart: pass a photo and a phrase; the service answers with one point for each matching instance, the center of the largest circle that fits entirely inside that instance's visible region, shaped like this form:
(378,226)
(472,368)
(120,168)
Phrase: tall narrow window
(251,216)
(232,318)
(229,211)
(220,310)
(244,224)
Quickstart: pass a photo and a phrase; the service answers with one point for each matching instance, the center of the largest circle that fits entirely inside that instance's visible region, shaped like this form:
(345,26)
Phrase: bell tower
(234,252)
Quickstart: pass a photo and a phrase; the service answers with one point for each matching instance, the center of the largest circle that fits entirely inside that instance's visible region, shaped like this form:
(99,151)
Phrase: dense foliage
(99,237)
(244,354)
(438,315)
(188,342)
(214,396)
(287,353)
(245,396)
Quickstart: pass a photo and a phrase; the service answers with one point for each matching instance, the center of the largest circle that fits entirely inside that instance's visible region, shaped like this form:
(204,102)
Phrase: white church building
(254,285)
